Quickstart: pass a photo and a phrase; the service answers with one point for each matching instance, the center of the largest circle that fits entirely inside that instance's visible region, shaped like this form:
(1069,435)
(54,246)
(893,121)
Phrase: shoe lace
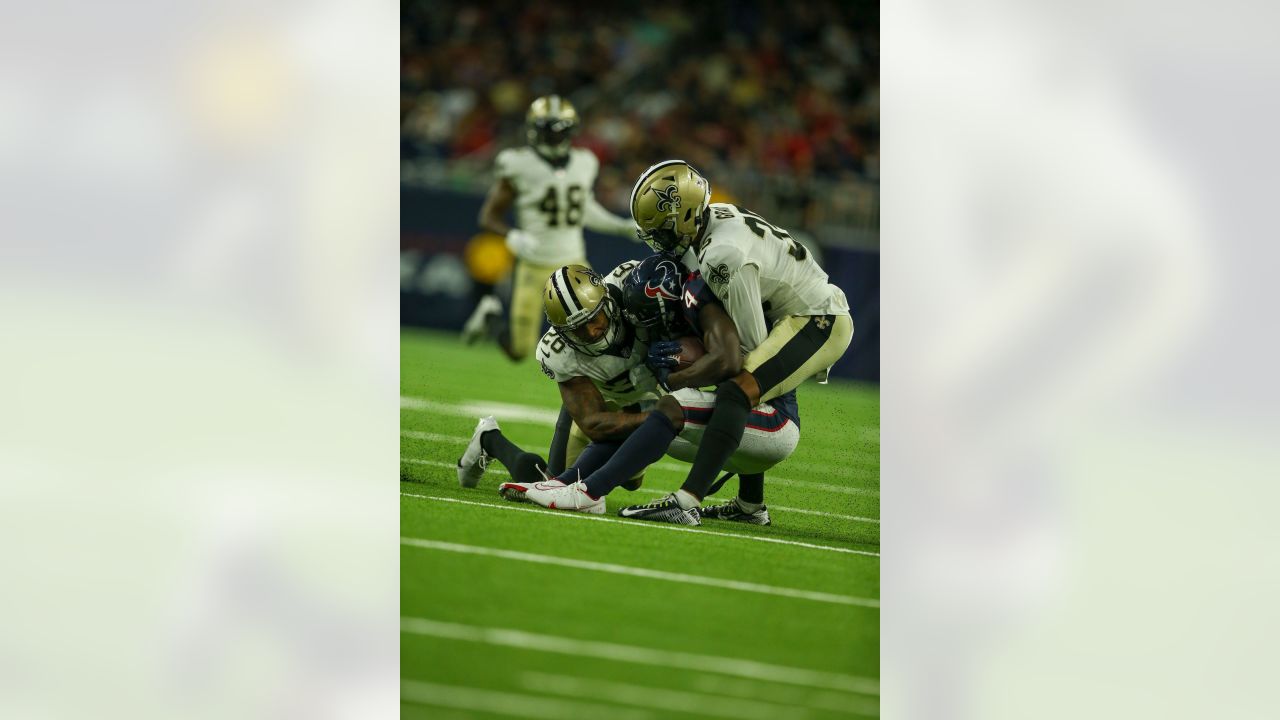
(661,501)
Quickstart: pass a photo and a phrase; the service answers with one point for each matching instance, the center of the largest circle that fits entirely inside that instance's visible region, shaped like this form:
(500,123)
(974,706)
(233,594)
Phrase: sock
(496,325)
(592,458)
(751,489)
(559,443)
(747,507)
(640,450)
(687,500)
(720,439)
(522,465)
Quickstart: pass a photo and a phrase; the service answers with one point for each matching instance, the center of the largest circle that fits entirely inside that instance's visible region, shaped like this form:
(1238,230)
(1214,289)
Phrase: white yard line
(436,437)
(643,524)
(509,703)
(802,511)
(538,415)
(858,460)
(851,518)
(641,655)
(820,513)
(443,464)
(641,572)
(660,698)
(502,471)
(826,487)
(477,409)
(671,466)
(832,701)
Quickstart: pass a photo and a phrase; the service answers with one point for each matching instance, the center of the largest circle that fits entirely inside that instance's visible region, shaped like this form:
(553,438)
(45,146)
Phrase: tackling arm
(586,406)
(742,300)
(724,357)
(596,217)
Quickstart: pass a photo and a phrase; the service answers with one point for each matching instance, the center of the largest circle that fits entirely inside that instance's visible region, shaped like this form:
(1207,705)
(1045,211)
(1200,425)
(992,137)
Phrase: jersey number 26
(758,225)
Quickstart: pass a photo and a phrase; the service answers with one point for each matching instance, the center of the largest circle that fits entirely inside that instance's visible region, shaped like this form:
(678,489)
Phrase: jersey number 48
(573,206)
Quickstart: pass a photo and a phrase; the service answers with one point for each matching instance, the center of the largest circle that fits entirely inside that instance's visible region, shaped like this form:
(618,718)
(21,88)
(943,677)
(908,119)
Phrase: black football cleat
(732,511)
(665,509)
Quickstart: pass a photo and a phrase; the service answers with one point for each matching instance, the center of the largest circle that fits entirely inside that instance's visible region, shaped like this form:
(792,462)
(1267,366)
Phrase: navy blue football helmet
(651,299)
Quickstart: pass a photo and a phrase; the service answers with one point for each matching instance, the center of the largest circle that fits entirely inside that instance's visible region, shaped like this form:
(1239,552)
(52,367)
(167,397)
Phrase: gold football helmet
(551,123)
(575,298)
(669,204)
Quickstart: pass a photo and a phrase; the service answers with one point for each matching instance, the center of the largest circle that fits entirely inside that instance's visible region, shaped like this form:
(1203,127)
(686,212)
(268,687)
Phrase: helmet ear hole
(687,214)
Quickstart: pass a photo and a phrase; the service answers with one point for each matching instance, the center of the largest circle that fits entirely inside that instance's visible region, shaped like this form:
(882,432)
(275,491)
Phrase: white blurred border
(1078,367)
(198,240)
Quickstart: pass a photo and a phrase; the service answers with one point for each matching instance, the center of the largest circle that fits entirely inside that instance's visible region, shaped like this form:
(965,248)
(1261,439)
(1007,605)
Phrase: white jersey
(790,282)
(622,379)
(551,203)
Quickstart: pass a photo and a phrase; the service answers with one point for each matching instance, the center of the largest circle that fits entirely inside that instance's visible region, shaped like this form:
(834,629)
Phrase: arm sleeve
(504,165)
(601,220)
(742,302)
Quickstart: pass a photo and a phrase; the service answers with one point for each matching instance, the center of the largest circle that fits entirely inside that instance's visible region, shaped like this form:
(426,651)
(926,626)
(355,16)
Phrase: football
(690,350)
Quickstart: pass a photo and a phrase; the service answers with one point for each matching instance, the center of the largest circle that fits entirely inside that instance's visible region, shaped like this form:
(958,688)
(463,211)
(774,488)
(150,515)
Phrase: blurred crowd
(754,94)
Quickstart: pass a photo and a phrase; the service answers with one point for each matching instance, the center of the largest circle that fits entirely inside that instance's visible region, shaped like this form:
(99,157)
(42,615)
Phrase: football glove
(662,359)
(519,242)
(663,354)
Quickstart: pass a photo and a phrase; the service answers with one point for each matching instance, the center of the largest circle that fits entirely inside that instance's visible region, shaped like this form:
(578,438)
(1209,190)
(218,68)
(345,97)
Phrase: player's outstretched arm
(596,217)
(586,406)
(724,356)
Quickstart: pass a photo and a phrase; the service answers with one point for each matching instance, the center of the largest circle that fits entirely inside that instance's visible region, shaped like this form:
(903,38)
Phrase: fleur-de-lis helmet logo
(668,199)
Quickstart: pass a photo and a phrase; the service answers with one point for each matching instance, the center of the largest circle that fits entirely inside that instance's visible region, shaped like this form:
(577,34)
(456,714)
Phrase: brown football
(690,350)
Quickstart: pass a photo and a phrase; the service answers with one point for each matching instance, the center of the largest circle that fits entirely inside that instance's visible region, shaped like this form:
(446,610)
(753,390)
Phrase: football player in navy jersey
(663,302)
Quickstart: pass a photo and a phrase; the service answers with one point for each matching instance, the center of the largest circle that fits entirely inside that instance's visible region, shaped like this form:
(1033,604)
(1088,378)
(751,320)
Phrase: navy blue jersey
(696,295)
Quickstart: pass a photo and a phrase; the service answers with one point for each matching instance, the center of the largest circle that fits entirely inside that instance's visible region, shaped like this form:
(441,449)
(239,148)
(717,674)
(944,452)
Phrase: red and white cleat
(558,496)
(516,491)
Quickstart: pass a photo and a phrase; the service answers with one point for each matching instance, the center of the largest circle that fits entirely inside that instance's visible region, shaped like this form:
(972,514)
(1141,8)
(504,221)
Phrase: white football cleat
(477,325)
(559,496)
(474,459)
(515,491)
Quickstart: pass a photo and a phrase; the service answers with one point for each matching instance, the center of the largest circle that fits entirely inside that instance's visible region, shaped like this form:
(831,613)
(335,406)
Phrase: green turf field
(510,610)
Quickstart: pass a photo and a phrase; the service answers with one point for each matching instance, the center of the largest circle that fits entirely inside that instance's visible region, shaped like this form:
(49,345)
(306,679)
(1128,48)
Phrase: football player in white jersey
(592,354)
(792,322)
(550,184)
